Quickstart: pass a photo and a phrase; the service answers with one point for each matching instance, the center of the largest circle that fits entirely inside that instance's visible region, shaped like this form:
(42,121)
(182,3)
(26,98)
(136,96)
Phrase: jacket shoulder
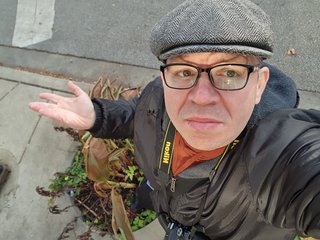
(272,137)
(282,155)
(151,97)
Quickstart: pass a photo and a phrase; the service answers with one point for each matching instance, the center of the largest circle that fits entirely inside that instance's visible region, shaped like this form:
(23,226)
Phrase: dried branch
(86,207)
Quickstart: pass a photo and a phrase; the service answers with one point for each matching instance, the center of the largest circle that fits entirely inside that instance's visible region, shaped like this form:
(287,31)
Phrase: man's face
(208,118)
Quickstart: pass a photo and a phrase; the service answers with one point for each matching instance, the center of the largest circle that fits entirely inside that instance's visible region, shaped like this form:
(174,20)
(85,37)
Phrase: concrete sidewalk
(35,151)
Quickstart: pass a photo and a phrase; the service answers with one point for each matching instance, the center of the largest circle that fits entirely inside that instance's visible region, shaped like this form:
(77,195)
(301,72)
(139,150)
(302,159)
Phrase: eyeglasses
(228,77)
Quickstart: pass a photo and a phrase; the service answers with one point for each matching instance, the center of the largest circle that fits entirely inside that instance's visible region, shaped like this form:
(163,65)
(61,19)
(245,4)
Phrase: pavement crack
(35,14)
(31,136)
(29,141)
(14,87)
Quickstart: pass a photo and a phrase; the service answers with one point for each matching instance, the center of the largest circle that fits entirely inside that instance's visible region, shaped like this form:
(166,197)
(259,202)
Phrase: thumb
(77,91)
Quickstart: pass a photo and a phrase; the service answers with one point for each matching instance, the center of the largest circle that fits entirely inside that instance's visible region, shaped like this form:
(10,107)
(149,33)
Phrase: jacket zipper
(173,184)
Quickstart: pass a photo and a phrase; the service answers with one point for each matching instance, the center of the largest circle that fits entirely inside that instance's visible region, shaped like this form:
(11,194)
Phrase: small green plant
(142,219)
(132,172)
(72,178)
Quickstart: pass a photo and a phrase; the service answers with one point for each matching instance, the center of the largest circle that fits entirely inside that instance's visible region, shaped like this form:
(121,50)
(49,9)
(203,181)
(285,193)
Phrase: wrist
(97,117)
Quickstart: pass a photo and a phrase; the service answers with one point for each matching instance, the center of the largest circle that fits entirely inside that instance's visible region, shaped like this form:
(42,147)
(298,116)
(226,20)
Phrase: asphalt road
(117,31)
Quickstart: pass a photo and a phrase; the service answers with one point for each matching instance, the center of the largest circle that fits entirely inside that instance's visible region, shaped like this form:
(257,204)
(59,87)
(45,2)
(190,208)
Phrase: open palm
(76,112)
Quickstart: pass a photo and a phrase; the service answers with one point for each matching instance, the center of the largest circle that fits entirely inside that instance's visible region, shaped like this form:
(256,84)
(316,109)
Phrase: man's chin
(203,144)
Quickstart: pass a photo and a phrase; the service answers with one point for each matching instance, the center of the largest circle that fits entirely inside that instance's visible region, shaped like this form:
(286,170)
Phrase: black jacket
(267,186)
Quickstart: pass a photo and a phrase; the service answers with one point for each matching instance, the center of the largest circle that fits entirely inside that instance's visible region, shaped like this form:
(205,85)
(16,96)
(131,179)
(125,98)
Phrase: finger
(77,91)
(61,116)
(37,106)
(52,97)
(34,106)
(55,113)
(51,111)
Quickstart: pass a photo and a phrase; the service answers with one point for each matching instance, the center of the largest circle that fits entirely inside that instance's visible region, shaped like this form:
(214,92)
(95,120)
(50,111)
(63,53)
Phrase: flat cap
(231,26)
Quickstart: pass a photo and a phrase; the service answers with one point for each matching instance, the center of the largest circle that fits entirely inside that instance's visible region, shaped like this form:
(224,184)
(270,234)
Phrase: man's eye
(231,73)
(185,73)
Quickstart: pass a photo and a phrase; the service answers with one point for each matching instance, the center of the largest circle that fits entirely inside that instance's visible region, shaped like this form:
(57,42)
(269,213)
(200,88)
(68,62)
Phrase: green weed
(142,219)
(74,176)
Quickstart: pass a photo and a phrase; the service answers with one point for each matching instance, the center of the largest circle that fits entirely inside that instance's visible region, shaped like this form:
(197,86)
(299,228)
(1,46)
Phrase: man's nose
(204,92)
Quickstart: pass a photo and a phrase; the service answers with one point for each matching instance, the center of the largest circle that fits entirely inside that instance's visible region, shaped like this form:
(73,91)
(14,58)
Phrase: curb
(76,67)
(38,80)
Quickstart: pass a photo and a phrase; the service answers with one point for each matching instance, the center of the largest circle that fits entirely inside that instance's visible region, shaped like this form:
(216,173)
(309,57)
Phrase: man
(224,158)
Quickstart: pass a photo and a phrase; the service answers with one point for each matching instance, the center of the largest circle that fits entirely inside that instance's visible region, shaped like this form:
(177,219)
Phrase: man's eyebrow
(221,59)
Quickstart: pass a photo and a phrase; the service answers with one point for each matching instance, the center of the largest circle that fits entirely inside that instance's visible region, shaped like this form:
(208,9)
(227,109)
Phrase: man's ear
(161,75)
(163,83)
(263,77)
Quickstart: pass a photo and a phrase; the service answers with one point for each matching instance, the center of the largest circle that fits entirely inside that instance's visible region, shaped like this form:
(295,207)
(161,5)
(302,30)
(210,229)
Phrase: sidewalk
(35,151)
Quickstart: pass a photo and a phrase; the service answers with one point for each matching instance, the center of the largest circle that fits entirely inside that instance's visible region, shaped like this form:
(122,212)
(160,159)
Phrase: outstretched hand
(75,112)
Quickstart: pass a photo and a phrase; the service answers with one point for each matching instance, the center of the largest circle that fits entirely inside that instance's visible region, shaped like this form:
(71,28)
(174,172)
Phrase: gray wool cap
(230,26)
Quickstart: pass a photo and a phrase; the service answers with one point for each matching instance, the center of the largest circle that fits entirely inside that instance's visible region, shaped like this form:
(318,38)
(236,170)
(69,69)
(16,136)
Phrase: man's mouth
(203,124)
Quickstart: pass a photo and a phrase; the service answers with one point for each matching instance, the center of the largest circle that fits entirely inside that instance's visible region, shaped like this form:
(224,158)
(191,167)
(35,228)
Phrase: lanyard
(167,149)
(166,156)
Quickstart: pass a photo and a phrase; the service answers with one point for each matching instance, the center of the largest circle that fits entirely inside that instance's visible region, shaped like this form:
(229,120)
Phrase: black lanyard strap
(167,149)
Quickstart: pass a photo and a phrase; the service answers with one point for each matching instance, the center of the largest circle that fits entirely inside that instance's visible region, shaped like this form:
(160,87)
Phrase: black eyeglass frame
(251,69)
